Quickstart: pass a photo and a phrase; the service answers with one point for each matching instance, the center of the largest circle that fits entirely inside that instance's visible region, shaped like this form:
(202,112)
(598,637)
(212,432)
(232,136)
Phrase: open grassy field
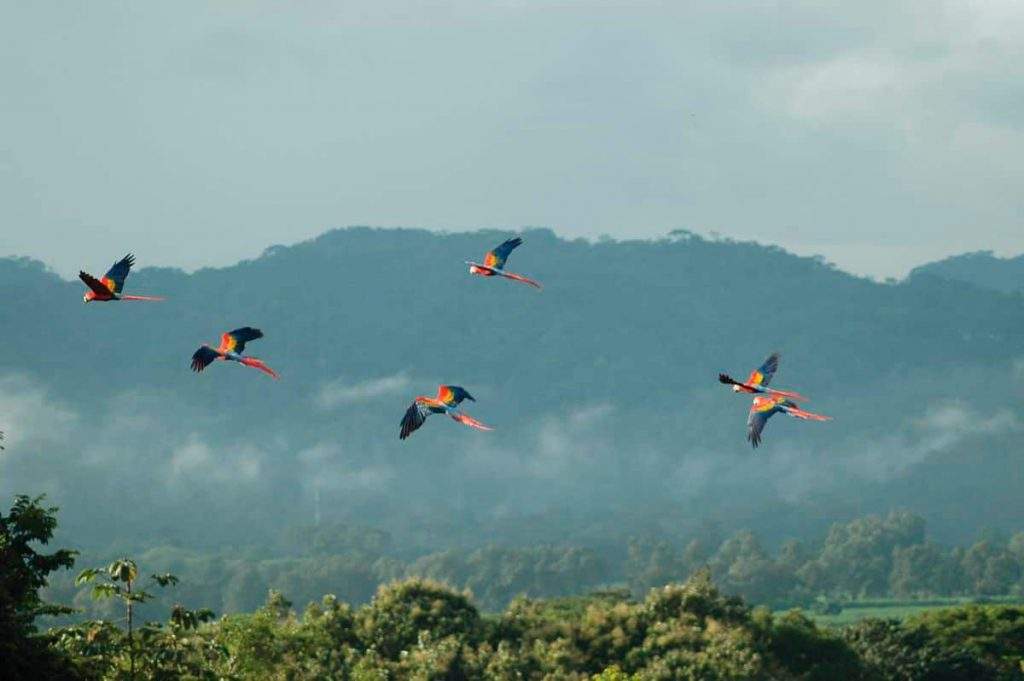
(897,609)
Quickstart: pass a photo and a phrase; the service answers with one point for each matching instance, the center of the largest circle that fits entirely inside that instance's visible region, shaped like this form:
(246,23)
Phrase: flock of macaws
(766,402)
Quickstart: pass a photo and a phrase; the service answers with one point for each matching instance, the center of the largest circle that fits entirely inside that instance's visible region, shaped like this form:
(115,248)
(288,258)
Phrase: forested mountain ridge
(609,420)
(981,269)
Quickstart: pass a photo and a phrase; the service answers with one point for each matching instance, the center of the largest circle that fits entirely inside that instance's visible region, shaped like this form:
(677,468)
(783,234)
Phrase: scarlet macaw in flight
(763,408)
(447,402)
(232,344)
(112,283)
(494,262)
(759,379)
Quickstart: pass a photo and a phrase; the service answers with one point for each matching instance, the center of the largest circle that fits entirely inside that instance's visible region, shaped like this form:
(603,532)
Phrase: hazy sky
(878,134)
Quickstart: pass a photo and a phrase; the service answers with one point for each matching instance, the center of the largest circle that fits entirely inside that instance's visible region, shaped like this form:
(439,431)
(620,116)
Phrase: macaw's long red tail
(258,364)
(786,393)
(806,415)
(152,298)
(525,280)
(467,420)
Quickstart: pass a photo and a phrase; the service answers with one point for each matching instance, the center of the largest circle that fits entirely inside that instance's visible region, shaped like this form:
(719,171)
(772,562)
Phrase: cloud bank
(873,133)
(340,392)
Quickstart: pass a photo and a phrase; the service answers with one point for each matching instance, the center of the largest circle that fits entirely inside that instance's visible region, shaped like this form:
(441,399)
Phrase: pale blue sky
(880,135)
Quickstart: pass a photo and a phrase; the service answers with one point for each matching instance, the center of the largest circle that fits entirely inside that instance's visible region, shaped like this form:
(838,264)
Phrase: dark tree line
(870,557)
(865,558)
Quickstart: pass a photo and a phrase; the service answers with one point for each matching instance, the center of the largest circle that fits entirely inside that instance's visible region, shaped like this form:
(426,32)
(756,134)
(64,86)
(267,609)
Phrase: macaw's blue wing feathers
(119,272)
(453,395)
(97,286)
(761,409)
(755,424)
(497,257)
(415,416)
(234,341)
(203,357)
(461,394)
(763,374)
(769,367)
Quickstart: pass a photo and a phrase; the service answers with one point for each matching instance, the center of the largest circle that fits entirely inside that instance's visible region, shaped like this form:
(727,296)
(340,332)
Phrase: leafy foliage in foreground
(23,572)
(419,628)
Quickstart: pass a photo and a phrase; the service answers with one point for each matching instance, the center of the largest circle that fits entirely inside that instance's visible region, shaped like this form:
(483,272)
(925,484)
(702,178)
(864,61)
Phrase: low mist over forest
(610,424)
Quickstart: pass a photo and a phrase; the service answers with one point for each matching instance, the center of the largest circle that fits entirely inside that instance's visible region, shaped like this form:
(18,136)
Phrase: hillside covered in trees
(982,269)
(594,532)
(610,423)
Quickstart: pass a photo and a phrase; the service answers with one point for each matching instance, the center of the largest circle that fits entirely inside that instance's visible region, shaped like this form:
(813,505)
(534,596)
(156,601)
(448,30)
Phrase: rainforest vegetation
(418,627)
(866,558)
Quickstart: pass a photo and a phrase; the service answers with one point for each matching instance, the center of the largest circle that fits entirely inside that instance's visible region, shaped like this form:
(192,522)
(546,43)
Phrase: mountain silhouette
(602,389)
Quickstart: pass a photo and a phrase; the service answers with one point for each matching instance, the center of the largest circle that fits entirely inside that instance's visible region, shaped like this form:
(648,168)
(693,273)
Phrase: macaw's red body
(759,379)
(448,399)
(232,344)
(112,283)
(494,263)
(764,407)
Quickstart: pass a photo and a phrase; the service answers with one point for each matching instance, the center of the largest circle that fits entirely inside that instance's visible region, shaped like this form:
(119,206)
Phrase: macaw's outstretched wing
(97,286)
(202,357)
(453,395)
(415,416)
(755,424)
(234,341)
(115,276)
(763,374)
(761,409)
(498,256)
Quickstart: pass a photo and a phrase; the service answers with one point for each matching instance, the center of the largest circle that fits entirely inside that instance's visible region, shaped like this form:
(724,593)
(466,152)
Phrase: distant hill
(980,269)
(609,420)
